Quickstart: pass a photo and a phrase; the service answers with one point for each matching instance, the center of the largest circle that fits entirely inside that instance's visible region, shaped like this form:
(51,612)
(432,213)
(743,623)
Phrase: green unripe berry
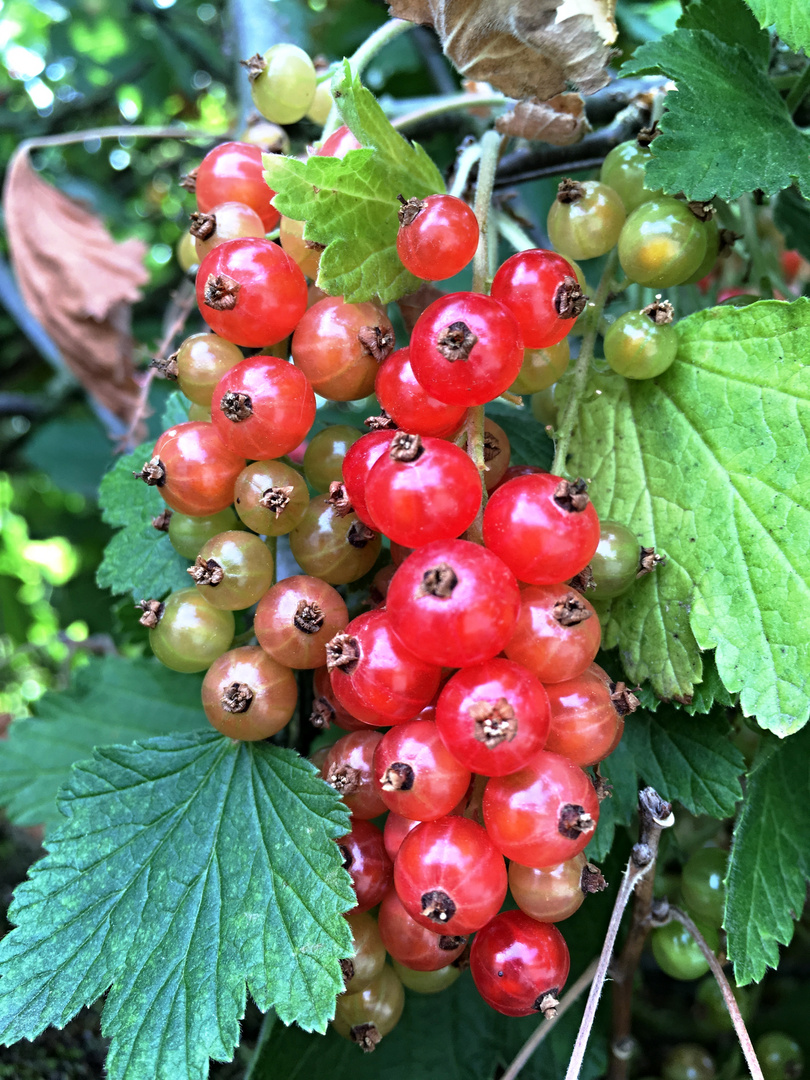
(615,563)
(677,952)
(702,884)
(283,83)
(623,170)
(780,1056)
(642,344)
(662,243)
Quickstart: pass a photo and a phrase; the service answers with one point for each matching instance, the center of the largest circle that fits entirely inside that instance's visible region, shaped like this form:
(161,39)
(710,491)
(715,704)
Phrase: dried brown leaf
(560,121)
(524,48)
(77,282)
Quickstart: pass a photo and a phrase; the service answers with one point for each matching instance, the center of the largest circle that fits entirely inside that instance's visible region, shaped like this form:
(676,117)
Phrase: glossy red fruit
(233,172)
(493,717)
(543,814)
(453,602)
(557,633)
(192,470)
(326,709)
(357,464)
(540,288)
(262,407)
(349,769)
(247,695)
(340,346)
(554,893)
(449,876)
(365,858)
(416,775)
(409,405)
(374,676)
(395,830)
(295,619)
(437,236)
(411,944)
(338,144)
(466,349)
(543,527)
(585,724)
(250,292)
(520,966)
(422,489)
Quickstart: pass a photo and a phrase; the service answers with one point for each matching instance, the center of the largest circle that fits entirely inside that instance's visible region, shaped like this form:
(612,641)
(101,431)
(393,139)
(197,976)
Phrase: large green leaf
(791,18)
(770,858)
(188,866)
(710,464)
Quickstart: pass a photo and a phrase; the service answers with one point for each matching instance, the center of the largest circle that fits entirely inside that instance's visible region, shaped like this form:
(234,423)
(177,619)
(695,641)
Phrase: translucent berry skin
(540,540)
(589,226)
(433,497)
(338,144)
(262,478)
(546,639)
(639,349)
(367,862)
(407,402)
(615,563)
(282,407)
(202,360)
(410,943)
(623,170)
(188,534)
(662,243)
(678,954)
(515,961)
(284,90)
(525,812)
(585,725)
(551,894)
(233,172)
(395,830)
(780,1056)
(688,1061)
(474,704)
(191,634)
(328,546)
(450,859)
(427,982)
(380,1004)
(390,684)
(295,619)
(291,238)
(368,958)
(349,769)
(271,295)
(492,363)
(703,885)
(440,241)
(433,781)
(357,464)
(323,457)
(247,566)
(456,623)
(326,346)
(273,694)
(200,471)
(326,706)
(527,284)
(541,368)
(232,220)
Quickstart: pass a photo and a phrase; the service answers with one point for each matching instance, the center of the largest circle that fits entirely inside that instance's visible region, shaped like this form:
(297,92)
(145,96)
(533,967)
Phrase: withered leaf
(524,48)
(560,121)
(77,282)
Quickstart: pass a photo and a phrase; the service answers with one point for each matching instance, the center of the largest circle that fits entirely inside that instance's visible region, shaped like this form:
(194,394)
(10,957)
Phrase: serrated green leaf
(732,22)
(791,214)
(790,17)
(529,443)
(350,206)
(188,866)
(707,693)
(111,700)
(139,559)
(725,130)
(770,858)
(709,464)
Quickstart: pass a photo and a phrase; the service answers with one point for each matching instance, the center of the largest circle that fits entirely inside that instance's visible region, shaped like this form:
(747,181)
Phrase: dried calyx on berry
(573,821)
(276,499)
(323,713)
(456,342)
(235,406)
(569,300)
(309,617)
(166,368)
(624,700)
(572,497)
(661,312)
(237,698)
(383,422)
(438,581)
(203,226)
(343,652)
(648,560)
(343,778)
(409,211)
(405,447)
(338,497)
(153,472)
(494,722)
(161,522)
(152,612)
(206,572)
(438,906)
(377,342)
(571,610)
(221,292)
(591,880)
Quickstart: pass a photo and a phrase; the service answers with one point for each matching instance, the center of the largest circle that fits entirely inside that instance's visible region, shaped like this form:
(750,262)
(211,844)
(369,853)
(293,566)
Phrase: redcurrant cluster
(468,692)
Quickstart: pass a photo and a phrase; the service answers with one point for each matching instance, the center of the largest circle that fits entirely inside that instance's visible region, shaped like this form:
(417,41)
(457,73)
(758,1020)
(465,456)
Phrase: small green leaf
(188,866)
(111,700)
(725,130)
(791,18)
(707,693)
(350,206)
(770,858)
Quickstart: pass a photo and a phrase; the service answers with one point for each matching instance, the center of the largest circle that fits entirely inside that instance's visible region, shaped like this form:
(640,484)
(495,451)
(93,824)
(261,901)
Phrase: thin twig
(656,814)
(544,1028)
(454,103)
(467,160)
(129,131)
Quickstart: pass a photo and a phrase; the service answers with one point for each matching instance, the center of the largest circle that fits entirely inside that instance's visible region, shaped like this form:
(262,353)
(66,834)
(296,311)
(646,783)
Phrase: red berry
(493,717)
(349,769)
(553,893)
(449,876)
(395,830)
(357,463)
(247,695)
(557,633)
(295,619)
(540,289)
(453,603)
(437,236)
(410,943)
(519,966)
(192,470)
(415,773)
(233,172)
(543,527)
(250,292)
(338,144)
(585,724)
(262,407)
(365,858)
(326,709)
(466,349)
(544,814)
(409,405)
(422,489)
